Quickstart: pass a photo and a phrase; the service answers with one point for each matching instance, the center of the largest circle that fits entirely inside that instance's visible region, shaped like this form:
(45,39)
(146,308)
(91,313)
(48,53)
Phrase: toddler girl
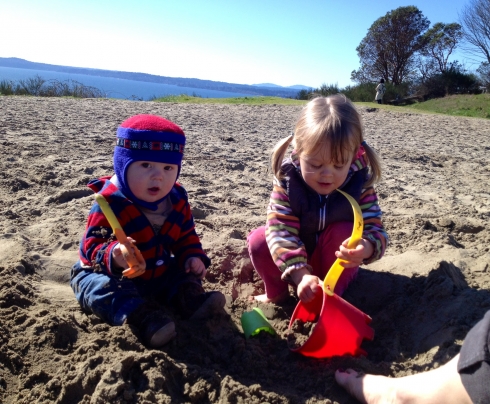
(308,223)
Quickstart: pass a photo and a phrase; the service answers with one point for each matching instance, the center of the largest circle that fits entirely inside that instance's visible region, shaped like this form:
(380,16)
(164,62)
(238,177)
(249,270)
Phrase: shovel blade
(340,328)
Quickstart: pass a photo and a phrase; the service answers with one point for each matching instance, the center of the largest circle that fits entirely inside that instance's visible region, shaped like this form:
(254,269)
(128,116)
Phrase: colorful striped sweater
(296,214)
(177,237)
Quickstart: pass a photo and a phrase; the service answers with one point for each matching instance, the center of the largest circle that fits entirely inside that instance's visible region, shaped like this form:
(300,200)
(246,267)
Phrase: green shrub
(324,91)
(37,86)
(7,87)
(32,86)
(365,92)
(453,81)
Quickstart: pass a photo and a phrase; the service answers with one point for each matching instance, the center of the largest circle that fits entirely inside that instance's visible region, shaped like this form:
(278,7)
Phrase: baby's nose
(158,173)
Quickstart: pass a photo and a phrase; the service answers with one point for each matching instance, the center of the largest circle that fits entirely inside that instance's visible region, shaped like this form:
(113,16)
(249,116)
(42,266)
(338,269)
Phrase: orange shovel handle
(134,259)
(132,255)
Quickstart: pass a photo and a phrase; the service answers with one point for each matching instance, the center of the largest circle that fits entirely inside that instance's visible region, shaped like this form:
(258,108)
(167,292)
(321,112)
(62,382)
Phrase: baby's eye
(168,168)
(145,165)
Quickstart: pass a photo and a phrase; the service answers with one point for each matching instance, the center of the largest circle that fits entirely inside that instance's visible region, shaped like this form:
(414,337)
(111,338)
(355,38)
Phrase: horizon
(275,42)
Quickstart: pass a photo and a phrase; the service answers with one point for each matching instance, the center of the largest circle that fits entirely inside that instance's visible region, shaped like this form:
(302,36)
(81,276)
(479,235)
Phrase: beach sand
(423,296)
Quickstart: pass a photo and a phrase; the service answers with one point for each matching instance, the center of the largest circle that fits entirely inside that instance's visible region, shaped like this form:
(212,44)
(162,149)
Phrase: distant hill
(300,87)
(295,87)
(275,91)
(267,85)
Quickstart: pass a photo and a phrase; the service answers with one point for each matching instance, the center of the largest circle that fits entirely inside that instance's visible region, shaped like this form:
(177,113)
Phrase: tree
(388,50)
(435,69)
(440,42)
(484,74)
(475,20)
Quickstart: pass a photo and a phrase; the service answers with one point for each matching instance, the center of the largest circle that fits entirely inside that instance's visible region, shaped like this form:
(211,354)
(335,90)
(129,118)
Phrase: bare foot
(366,388)
(278,299)
(441,385)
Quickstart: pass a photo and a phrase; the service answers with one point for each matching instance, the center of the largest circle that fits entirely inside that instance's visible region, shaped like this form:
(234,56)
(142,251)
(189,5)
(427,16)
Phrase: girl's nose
(325,171)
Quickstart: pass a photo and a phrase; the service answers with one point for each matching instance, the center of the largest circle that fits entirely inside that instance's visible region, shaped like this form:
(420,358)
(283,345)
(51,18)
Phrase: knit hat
(146,138)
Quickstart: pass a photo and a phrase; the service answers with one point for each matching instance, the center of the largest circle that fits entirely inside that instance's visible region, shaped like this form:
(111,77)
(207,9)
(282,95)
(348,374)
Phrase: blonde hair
(333,122)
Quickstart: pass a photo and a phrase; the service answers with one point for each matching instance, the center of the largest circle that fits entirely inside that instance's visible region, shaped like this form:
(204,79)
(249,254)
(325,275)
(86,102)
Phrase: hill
(277,91)
(295,87)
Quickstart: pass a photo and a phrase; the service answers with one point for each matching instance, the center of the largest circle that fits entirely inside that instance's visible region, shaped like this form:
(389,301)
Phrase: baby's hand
(117,257)
(119,261)
(308,287)
(196,266)
(354,257)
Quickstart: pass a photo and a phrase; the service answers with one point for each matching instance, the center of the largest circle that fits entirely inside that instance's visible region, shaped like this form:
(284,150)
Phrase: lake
(116,88)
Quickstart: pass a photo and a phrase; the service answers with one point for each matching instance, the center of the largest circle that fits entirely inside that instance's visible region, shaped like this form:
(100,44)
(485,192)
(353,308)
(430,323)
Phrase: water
(116,88)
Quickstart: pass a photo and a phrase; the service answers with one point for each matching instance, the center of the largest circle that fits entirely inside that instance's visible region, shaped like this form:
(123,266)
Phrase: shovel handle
(130,252)
(111,217)
(336,269)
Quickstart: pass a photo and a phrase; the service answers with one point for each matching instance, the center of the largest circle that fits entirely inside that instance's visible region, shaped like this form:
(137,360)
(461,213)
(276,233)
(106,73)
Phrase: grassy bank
(477,106)
(237,100)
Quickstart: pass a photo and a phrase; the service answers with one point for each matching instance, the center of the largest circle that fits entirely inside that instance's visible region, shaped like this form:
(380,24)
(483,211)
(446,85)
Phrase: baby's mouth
(153,190)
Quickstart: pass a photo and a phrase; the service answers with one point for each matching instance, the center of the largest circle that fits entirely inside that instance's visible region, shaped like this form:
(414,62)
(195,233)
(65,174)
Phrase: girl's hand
(195,266)
(354,257)
(308,287)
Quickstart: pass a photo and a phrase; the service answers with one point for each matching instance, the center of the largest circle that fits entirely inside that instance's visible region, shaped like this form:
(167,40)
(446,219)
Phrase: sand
(423,296)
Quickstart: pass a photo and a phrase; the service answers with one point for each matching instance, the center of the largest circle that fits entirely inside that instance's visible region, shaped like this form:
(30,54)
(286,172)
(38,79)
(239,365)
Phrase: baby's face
(151,181)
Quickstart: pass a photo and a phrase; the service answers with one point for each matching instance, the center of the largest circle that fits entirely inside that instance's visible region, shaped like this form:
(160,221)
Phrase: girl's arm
(373,227)
(282,233)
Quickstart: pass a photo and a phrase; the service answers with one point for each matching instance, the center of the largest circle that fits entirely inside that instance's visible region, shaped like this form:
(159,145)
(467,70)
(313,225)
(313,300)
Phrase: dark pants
(474,361)
(113,299)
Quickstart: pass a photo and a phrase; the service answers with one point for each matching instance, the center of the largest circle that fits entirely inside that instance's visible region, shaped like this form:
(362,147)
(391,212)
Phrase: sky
(284,42)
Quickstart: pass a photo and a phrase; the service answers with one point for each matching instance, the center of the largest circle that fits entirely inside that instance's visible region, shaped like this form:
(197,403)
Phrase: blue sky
(248,42)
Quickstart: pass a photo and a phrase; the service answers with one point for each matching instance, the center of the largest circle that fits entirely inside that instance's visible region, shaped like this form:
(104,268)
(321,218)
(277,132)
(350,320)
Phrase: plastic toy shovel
(340,327)
(131,254)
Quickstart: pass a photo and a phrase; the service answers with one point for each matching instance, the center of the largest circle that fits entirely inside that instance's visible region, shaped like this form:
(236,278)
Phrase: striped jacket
(297,214)
(177,236)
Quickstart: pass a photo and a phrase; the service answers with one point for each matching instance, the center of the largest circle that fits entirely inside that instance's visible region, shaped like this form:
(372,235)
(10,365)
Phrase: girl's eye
(338,167)
(315,167)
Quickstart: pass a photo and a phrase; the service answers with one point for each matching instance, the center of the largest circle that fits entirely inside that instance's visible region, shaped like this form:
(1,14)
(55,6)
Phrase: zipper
(323,212)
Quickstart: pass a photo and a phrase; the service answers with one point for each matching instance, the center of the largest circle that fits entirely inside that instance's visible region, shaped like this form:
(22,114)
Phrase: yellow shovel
(130,252)
(340,327)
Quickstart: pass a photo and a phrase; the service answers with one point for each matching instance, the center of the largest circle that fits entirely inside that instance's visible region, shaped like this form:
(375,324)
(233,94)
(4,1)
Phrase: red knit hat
(146,138)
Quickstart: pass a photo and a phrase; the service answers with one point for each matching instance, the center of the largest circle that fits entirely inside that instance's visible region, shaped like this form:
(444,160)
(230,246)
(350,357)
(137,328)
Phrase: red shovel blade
(340,329)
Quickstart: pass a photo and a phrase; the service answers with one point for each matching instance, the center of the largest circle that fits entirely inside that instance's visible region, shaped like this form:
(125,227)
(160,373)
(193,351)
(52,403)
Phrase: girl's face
(151,181)
(321,173)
